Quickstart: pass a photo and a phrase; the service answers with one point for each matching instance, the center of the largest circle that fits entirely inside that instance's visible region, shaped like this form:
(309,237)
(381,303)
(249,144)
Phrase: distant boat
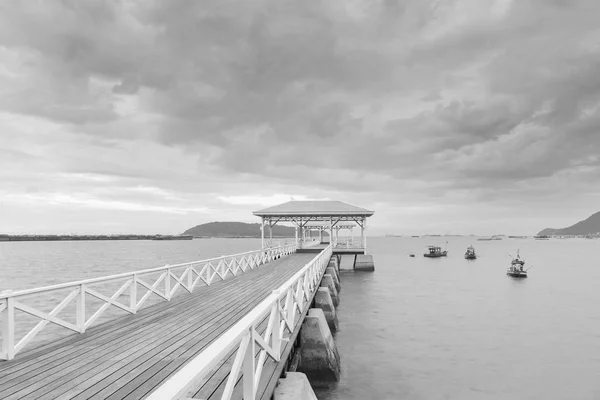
(517,268)
(412,255)
(435,251)
(518,237)
(470,253)
(542,237)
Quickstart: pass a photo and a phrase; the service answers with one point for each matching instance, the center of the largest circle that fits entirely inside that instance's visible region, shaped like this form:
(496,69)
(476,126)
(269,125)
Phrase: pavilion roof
(314,208)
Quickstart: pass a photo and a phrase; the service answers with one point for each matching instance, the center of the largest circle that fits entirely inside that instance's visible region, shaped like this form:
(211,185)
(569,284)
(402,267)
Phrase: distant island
(236,230)
(590,226)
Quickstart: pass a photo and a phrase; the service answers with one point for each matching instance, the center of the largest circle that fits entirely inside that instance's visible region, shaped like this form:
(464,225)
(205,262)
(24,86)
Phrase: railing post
(190,279)
(275,339)
(168,283)
(133,295)
(81,308)
(249,392)
(7,320)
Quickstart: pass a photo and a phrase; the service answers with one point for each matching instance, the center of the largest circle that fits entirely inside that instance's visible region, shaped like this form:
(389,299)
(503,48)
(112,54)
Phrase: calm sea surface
(417,328)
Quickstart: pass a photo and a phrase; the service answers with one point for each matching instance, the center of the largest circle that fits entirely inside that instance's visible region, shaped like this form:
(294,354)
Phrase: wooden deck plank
(110,341)
(107,341)
(143,316)
(135,357)
(219,375)
(88,367)
(145,382)
(271,369)
(135,353)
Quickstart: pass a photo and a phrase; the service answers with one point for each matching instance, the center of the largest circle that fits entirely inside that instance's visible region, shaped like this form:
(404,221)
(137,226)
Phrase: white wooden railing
(171,278)
(283,309)
(347,243)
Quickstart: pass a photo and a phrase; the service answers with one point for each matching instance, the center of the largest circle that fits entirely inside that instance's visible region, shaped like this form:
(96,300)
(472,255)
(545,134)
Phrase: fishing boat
(470,253)
(435,251)
(517,268)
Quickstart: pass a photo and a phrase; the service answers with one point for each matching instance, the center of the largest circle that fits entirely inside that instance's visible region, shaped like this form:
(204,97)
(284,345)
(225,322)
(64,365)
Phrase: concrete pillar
(333,262)
(335,268)
(319,357)
(327,282)
(336,279)
(364,262)
(324,301)
(295,386)
(346,263)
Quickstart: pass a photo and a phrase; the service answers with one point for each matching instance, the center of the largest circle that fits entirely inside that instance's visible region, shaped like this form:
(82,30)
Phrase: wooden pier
(129,357)
(225,329)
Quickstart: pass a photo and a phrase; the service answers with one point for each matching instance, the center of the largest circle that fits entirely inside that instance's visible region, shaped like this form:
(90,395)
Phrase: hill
(236,229)
(585,227)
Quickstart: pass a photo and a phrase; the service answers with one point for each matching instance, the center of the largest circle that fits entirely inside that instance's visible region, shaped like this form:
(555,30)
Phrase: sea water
(416,328)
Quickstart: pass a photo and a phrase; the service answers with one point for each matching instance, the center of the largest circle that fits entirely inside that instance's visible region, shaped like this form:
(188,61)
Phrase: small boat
(435,251)
(412,255)
(516,269)
(470,253)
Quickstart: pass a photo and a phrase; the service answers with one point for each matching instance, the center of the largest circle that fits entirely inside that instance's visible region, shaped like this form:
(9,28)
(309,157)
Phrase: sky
(442,116)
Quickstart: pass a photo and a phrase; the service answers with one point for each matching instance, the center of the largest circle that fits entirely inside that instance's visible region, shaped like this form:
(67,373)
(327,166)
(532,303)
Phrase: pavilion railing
(166,281)
(348,243)
(283,308)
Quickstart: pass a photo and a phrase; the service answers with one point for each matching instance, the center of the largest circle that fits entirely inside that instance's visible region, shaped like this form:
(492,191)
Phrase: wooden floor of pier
(336,250)
(129,357)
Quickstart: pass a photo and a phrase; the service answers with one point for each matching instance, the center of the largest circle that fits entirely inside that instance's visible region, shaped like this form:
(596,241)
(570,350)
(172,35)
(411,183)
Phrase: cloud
(421,104)
(265,200)
(62,199)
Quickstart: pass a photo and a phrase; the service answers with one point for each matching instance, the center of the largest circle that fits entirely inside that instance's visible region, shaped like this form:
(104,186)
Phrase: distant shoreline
(65,238)
(61,238)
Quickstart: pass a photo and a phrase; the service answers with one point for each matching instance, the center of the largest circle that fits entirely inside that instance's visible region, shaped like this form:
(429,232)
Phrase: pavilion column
(365,233)
(331,231)
(362,233)
(297,236)
(262,233)
(270,234)
(320,234)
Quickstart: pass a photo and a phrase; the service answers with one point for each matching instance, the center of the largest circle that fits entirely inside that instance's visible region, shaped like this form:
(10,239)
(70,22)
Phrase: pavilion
(322,216)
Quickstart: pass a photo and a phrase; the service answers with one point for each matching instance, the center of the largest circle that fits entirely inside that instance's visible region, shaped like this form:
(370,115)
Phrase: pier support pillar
(295,386)
(319,357)
(336,278)
(324,301)
(346,262)
(333,262)
(327,282)
(364,262)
